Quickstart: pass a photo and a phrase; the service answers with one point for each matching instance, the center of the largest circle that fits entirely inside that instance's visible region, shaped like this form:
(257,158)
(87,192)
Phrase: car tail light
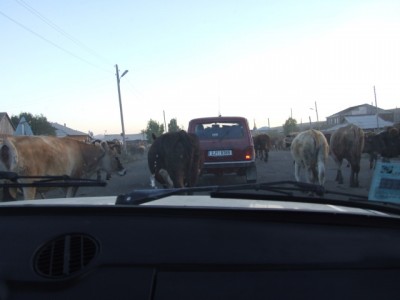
(249,153)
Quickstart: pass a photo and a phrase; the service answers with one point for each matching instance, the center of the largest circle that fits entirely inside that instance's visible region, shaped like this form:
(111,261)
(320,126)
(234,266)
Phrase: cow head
(109,161)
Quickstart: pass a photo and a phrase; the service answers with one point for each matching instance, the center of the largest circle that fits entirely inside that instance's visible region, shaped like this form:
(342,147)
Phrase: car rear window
(219,130)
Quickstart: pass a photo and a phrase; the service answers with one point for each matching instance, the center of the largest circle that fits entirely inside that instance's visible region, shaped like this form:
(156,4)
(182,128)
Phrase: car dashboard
(191,252)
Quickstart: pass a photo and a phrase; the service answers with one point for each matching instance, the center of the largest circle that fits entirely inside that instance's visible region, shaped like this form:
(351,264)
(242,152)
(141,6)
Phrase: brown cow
(53,156)
(174,159)
(347,143)
(310,150)
(262,145)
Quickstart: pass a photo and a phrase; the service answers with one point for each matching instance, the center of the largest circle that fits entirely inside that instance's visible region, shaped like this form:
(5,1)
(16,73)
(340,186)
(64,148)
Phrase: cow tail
(359,140)
(322,153)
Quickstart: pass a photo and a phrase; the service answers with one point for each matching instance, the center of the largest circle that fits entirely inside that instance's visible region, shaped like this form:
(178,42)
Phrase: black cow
(372,144)
(262,144)
(174,159)
(385,143)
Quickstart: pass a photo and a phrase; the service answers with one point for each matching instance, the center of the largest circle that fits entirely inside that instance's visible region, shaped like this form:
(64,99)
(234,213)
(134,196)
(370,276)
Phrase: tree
(173,126)
(290,126)
(38,123)
(153,127)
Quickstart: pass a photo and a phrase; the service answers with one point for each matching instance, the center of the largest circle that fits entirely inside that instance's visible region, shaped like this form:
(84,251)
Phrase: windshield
(127,95)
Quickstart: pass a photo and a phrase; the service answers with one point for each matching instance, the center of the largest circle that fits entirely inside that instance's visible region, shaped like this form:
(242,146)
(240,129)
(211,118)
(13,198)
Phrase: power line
(52,43)
(58,28)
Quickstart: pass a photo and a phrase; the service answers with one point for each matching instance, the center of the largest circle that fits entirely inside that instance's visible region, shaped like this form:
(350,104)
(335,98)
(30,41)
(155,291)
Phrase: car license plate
(219,153)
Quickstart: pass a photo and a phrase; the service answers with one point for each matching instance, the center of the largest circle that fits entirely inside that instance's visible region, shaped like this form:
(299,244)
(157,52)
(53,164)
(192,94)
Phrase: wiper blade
(46,181)
(279,187)
(284,189)
(141,196)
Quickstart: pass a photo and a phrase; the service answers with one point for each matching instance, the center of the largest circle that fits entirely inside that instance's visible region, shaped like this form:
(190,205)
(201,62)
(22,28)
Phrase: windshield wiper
(278,187)
(46,181)
(277,191)
(141,196)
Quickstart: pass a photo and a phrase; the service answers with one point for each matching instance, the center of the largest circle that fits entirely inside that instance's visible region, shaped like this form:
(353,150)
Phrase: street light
(120,107)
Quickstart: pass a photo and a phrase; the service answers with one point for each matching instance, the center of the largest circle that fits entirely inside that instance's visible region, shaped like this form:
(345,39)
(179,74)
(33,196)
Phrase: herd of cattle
(310,150)
(175,160)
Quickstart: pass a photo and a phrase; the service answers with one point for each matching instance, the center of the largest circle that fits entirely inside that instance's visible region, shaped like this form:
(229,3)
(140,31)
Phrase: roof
(3,114)
(62,130)
(218,119)
(23,128)
(5,119)
(343,112)
(364,122)
(128,137)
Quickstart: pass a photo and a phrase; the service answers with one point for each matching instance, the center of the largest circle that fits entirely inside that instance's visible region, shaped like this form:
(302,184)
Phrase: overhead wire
(59,29)
(52,43)
(61,32)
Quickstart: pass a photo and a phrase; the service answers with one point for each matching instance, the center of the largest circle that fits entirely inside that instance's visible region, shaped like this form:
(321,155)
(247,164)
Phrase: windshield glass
(129,95)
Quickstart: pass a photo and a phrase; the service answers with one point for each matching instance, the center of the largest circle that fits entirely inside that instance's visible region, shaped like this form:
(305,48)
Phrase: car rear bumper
(226,167)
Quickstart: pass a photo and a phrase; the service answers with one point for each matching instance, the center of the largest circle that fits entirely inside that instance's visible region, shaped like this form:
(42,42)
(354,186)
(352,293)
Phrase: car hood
(200,201)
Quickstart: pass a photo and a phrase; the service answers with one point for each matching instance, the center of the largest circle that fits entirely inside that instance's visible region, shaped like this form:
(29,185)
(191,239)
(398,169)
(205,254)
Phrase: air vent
(65,256)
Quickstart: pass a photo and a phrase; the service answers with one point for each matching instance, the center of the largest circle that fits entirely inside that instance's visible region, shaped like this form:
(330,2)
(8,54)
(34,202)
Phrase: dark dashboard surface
(195,253)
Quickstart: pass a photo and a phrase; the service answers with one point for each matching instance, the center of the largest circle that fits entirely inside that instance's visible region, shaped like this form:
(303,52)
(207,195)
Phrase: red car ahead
(227,146)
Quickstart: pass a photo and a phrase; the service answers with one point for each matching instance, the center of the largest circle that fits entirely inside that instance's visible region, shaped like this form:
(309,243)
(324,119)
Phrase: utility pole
(120,107)
(165,123)
(316,111)
(377,114)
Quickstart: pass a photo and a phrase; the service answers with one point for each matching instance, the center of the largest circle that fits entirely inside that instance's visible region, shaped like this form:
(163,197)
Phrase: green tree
(153,127)
(290,126)
(173,126)
(38,123)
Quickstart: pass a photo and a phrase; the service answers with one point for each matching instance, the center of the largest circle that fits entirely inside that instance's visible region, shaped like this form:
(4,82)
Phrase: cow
(54,156)
(288,140)
(385,143)
(136,149)
(372,146)
(262,145)
(310,151)
(175,160)
(347,143)
(279,143)
(115,146)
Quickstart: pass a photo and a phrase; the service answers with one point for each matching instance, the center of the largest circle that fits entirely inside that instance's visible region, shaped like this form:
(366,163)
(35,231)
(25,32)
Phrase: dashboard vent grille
(65,256)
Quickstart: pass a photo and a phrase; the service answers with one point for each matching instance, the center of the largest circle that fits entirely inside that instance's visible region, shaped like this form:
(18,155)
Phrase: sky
(264,60)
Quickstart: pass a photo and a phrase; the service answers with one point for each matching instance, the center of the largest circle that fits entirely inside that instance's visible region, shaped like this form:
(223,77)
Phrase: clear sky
(264,60)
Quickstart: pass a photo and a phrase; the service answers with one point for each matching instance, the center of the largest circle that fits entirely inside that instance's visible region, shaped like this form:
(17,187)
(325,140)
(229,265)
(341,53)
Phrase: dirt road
(279,167)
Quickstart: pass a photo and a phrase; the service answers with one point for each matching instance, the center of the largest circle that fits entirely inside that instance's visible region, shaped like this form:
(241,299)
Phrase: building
(365,116)
(359,110)
(64,131)
(23,128)
(366,123)
(6,126)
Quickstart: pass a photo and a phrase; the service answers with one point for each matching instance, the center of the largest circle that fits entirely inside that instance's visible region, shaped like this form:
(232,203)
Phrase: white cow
(310,151)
